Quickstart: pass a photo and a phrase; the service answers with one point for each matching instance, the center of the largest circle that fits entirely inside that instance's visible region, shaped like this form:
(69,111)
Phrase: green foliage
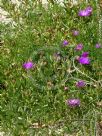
(38,95)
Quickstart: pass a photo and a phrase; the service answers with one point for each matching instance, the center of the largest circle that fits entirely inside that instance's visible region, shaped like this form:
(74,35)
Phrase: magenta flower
(28,65)
(73,102)
(65,43)
(89,9)
(80,84)
(85,54)
(98,45)
(79,47)
(84,60)
(85,12)
(75,32)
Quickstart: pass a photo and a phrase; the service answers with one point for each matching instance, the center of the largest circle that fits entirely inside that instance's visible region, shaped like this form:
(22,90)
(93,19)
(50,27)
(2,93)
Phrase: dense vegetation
(35,101)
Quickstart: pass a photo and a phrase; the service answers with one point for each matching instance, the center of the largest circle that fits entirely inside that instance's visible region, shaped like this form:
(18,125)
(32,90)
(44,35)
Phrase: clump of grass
(33,99)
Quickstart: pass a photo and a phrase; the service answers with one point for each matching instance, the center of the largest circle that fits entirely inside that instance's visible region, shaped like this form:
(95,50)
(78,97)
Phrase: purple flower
(85,12)
(89,9)
(84,60)
(80,83)
(85,54)
(98,45)
(65,43)
(28,65)
(73,102)
(79,47)
(75,32)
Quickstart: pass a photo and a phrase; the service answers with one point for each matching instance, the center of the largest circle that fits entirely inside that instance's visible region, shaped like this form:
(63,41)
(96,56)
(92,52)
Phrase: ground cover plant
(51,69)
